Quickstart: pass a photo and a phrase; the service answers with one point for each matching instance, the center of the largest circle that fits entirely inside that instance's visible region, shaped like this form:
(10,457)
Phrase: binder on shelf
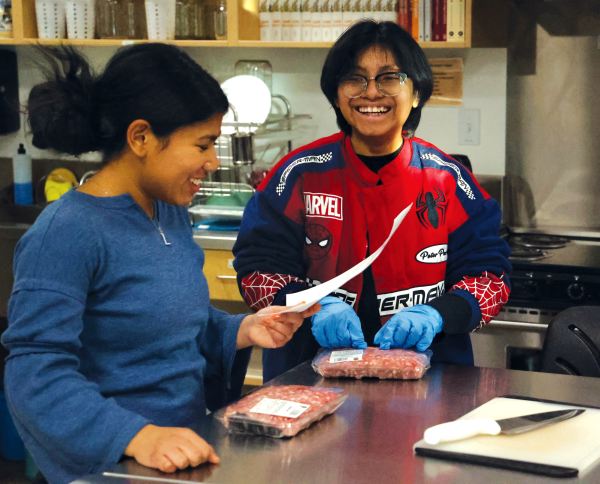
(315,21)
(390,13)
(460,24)
(266,20)
(296,20)
(326,18)
(414,5)
(336,19)
(444,17)
(276,18)
(456,21)
(421,37)
(403,14)
(438,14)
(427,21)
(306,21)
(347,16)
(286,21)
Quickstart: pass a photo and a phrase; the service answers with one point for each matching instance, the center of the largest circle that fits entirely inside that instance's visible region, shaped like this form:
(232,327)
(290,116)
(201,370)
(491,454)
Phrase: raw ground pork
(323,401)
(393,364)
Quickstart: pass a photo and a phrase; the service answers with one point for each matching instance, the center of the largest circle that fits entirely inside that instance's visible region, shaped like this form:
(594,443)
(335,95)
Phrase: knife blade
(463,429)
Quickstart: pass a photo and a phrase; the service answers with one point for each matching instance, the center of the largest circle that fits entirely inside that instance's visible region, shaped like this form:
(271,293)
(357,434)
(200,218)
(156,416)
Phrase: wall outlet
(468,127)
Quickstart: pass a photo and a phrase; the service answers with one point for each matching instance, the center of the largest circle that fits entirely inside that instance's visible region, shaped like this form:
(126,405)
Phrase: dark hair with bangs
(409,56)
(76,112)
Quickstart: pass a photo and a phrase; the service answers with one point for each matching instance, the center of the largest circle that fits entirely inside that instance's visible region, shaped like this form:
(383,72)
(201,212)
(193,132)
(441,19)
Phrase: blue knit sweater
(109,329)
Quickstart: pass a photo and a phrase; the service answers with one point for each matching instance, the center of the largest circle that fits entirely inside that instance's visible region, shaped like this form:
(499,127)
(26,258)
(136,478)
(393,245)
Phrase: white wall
(296,75)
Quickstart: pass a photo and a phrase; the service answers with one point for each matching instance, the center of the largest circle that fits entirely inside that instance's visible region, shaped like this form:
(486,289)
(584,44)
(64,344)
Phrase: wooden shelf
(259,43)
(243,27)
(328,45)
(108,42)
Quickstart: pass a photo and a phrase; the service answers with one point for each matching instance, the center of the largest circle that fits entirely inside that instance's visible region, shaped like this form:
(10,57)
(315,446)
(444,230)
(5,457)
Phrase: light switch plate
(468,127)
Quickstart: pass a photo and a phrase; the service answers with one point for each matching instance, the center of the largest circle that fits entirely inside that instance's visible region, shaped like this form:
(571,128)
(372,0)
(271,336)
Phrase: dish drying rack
(225,192)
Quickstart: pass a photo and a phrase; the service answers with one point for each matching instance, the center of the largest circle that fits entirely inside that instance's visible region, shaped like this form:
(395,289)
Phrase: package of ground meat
(393,364)
(280,411)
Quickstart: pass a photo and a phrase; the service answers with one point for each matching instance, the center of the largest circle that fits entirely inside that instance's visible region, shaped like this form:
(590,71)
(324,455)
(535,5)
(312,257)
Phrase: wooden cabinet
(242,26)
(220,274)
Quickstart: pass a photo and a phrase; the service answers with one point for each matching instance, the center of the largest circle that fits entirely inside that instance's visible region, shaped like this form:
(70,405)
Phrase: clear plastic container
(160,16)
(257,68)
(80,19)
(51,19)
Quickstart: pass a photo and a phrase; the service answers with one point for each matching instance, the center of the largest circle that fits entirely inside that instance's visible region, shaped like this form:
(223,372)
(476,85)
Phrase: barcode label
(280,408)
(345,355)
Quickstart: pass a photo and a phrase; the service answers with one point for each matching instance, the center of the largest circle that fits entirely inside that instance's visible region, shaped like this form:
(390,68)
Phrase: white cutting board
(572,443)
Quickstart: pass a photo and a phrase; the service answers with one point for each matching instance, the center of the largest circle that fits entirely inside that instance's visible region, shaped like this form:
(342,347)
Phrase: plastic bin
(80,19)
(160,15)
(11,445)
(51,21)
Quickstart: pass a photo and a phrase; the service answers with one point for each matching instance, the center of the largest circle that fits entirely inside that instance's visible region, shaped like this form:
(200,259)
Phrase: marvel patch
(323,205)
(317,242)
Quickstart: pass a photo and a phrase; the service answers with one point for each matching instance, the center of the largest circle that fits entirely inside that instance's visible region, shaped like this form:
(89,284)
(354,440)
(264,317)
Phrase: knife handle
(461,429)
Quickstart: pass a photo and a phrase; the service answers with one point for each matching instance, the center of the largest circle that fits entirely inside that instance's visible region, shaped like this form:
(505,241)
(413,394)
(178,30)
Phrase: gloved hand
(336,325)
(412,326)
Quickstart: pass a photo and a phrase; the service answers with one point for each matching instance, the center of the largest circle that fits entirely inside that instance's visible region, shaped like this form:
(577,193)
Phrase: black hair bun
(60,110)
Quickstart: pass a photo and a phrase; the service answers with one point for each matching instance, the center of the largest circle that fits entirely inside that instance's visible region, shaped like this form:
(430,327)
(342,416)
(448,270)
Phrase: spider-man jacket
(310,218)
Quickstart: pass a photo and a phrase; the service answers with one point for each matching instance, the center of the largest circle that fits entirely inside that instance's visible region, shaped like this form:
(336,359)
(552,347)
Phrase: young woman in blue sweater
(111,334)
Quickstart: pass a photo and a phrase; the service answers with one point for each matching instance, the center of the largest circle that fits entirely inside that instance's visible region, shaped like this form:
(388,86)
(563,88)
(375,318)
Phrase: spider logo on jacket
(317,242)
(428,206)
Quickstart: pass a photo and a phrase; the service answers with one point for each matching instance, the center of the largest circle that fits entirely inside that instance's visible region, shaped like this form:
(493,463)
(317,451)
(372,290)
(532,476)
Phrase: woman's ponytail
(60,110)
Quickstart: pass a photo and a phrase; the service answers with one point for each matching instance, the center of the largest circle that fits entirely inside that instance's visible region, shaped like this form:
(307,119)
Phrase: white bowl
(250,97)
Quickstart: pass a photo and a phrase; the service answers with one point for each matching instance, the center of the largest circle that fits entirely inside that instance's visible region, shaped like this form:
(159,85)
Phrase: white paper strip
(311,296)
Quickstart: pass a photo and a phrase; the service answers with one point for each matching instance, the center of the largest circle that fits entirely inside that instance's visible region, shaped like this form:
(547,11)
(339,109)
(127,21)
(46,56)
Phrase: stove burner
(540,241)
(520,253)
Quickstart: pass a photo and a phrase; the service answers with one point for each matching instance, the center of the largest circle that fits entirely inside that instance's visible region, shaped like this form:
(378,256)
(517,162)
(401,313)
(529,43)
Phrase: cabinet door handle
(226,277)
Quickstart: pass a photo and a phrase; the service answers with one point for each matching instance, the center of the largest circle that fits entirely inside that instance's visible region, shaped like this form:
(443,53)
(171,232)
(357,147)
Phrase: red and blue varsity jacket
(320,207)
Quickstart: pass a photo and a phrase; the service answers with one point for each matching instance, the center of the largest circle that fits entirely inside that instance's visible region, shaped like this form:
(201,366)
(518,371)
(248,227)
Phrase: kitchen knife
(463,429)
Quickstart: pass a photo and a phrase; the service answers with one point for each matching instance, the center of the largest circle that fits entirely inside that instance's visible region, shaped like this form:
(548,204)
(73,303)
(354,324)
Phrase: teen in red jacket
(326,206)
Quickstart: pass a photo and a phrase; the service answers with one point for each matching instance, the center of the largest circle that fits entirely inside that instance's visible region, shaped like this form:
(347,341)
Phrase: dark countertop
(370,437)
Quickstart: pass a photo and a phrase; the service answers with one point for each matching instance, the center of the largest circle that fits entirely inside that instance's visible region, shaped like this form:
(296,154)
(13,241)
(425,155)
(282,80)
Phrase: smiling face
(377,120)
(172,171)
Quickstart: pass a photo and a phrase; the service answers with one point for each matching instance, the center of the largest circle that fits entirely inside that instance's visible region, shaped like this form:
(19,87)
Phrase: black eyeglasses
(388,84)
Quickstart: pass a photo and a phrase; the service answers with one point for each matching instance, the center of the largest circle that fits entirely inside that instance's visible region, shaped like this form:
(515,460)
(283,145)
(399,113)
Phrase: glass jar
(192,20)
(220,19)
(257,68)
(121,19)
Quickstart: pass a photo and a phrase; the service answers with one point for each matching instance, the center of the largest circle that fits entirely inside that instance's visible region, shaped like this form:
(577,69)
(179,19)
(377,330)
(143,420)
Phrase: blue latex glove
(336,325)
(412,326)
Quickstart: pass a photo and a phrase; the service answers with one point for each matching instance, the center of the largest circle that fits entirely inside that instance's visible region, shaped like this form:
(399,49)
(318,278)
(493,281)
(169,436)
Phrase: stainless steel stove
(550,274)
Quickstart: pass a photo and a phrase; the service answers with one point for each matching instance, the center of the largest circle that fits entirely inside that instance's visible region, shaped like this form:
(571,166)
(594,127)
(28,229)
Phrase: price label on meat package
(280,408)
(345,355)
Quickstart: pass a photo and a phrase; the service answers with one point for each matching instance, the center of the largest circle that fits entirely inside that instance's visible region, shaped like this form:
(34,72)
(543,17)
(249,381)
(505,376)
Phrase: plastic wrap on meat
(314,403)
(393,364)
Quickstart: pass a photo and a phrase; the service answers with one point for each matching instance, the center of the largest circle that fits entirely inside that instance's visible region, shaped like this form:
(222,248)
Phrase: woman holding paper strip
(328,205)
(114,346)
